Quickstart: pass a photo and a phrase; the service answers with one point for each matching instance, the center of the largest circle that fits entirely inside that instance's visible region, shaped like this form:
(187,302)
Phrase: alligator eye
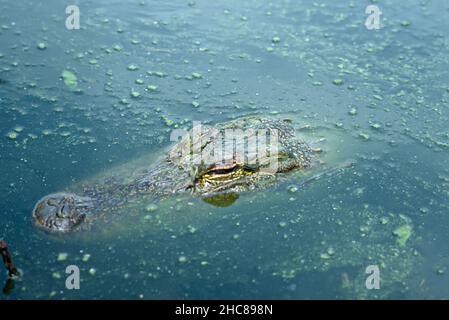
(222,170)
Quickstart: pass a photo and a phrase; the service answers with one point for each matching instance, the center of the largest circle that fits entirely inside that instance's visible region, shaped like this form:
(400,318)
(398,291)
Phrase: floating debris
(86,258)
(182,259)
(195,104)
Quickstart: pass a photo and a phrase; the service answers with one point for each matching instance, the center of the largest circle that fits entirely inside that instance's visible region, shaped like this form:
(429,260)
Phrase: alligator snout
(62,212)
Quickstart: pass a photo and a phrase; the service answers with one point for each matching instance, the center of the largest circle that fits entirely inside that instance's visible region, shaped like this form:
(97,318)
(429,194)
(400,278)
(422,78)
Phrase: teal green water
(143,68)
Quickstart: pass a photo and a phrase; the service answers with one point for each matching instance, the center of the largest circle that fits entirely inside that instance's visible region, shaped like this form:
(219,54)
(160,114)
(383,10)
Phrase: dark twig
(12,270)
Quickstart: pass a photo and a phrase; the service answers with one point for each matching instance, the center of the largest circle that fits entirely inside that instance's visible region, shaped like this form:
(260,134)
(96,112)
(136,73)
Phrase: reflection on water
(102,100)
(222,200)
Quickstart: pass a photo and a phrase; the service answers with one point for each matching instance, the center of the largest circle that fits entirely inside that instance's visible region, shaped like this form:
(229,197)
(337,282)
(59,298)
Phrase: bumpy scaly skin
(191,167)
(62,212)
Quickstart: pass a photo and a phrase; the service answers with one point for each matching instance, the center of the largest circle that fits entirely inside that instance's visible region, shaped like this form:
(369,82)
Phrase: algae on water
(403,233)
(70,79)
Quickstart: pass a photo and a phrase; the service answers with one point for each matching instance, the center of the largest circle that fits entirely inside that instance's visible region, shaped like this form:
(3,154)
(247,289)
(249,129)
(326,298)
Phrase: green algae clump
(70,79)
(403,233)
